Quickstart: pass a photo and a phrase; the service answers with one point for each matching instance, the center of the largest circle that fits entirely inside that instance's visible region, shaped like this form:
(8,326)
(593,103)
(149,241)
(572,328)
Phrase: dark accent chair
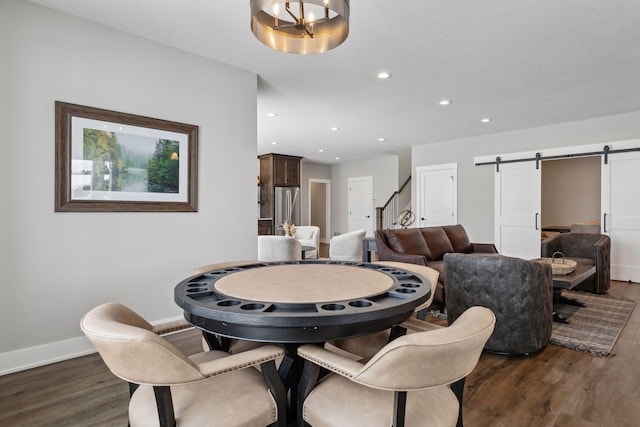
(519,292)
(585,248)
(427,246)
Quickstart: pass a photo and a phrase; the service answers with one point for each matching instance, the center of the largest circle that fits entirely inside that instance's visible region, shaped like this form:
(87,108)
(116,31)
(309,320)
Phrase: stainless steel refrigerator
(287,206)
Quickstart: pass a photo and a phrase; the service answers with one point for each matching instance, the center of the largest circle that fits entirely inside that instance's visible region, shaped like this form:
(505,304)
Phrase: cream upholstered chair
(309,235)
(279,248)
(366,346)
(405,383)
(219,265)
(347,246)
(210,388)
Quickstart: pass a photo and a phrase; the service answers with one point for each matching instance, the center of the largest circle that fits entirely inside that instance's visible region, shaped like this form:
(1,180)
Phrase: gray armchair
(519,292)
(585,248)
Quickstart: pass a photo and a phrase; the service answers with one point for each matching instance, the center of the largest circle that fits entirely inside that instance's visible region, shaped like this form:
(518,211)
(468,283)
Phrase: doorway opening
(571,193)
(320,207)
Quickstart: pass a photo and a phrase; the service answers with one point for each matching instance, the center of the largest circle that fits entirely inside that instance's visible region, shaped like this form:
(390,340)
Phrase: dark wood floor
(555,387)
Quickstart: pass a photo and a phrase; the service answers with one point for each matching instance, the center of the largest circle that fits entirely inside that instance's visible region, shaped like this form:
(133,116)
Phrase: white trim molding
(45,354)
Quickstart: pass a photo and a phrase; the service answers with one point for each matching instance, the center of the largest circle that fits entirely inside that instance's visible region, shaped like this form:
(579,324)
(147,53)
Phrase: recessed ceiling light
(445,102)
(274,143)
(335,129)
(485,120)
(272,115)
(337,158)
(381,139)
(321,150)
(384,75)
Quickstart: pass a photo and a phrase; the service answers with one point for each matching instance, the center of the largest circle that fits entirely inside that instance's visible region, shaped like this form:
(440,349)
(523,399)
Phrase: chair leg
(132,388)
(308,380)
(165,406)
(458,390)
(276,387)
(399,408)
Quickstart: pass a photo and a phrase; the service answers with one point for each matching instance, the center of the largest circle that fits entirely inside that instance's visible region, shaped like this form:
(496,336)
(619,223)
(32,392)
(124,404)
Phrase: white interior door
(621,214)
(360,204)
(437,195)
(517,210)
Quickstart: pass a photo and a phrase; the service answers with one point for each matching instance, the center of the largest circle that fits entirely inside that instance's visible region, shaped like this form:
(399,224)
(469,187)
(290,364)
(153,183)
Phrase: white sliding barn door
(517,210)
(436,195)
(621,213)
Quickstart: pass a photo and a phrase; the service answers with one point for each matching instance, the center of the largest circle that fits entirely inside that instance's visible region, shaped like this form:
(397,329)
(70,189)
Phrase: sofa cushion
(437,242)
(409,241)
(458,238)
(439,267)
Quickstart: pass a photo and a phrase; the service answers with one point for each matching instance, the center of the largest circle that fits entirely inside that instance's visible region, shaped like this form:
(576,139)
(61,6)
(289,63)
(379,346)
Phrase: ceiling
(522,63)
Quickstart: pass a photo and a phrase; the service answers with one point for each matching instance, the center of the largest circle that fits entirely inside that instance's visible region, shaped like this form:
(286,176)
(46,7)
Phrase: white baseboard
(40,355)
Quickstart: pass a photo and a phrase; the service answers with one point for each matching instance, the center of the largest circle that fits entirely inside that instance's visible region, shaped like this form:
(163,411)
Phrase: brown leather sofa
(427,246)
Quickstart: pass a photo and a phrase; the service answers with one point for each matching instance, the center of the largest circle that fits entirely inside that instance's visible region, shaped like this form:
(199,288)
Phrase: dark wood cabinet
(286,171)
(276,170)
(265,227)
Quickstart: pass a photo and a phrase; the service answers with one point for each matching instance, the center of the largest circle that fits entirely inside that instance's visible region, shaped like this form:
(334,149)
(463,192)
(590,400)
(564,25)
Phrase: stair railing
(387,215)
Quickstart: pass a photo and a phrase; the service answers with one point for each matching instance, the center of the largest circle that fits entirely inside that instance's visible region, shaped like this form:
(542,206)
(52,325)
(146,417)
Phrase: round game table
(297,302)
(300,301)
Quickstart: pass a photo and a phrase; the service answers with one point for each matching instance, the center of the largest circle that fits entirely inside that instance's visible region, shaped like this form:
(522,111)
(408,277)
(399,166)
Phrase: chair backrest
(432,358)
(572,245)
(132,351)
(279,248)
(309,235)
(307,232)
(347,246)
(585,228)
(220,265)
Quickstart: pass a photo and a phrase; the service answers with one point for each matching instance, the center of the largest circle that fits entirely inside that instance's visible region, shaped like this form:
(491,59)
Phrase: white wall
(476,183)
(384,171)
(56,266)
(404,163)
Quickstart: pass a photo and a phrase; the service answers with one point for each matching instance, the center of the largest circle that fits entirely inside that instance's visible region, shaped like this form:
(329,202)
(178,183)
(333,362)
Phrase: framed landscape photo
(118,162)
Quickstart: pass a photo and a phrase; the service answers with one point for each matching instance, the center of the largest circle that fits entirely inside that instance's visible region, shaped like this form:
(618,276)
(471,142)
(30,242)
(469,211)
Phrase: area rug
(594,328)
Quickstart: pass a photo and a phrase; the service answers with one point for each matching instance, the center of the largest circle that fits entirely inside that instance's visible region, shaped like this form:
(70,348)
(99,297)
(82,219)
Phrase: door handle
(536,220)
(604,223)
(368,216)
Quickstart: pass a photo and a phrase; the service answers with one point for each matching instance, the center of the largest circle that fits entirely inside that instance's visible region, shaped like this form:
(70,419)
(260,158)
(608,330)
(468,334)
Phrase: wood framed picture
(107,161)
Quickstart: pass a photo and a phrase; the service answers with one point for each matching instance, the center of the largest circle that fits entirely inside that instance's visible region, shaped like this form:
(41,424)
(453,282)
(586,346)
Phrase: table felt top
(304,283)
